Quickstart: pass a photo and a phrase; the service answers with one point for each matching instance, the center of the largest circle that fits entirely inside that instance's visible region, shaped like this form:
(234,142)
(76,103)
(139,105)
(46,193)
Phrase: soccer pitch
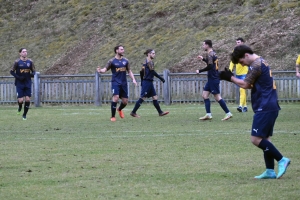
(75,152)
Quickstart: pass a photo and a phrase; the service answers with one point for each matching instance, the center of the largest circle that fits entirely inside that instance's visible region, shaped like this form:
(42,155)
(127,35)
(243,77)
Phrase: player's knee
(125,101)
(255,140)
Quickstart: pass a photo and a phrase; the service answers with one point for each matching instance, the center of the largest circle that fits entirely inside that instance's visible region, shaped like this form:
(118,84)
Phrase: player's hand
(163,80)
(200,57)
(197,71)
(98,69)
(134,82)
(31,75)
(226,75)
(298,75)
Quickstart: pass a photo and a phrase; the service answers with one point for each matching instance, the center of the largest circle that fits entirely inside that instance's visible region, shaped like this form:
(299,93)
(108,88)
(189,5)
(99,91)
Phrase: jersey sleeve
(108,64)
(15,65)
(32,66)
(254,73)
(128,65)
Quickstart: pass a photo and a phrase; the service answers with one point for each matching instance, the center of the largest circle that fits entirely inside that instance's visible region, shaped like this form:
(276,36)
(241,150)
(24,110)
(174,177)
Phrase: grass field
(75,152)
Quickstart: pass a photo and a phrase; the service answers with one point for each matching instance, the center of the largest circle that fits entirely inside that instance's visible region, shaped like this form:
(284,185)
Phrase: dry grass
(59,33)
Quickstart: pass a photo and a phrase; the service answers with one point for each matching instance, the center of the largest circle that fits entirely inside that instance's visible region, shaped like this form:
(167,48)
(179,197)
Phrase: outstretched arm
(101,70)
(204,69)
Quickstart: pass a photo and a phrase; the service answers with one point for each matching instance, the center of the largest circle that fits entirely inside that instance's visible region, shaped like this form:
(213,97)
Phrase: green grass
(75,152)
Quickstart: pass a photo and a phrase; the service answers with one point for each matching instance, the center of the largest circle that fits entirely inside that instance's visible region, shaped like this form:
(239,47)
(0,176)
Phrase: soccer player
(297,66)
(147,74)
(241,72)
(118,65)
(23,69)
(213,82)
(264,104)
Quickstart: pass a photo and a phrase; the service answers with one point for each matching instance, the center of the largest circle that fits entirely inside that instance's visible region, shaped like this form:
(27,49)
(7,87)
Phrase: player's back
(212,59)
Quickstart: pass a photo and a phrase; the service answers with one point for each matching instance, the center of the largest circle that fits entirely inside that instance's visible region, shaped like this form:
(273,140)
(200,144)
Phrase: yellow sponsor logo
(121,69)
(25,70)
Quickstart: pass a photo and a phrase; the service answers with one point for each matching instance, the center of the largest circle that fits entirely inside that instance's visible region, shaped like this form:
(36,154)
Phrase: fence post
(97,90)
(167,86)
(36,80)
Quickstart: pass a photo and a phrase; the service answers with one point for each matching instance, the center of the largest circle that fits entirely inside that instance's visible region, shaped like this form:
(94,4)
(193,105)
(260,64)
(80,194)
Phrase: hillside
(75,36)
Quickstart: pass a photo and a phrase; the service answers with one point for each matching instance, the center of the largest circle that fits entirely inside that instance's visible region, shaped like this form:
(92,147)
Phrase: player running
(118,65)
(23,69)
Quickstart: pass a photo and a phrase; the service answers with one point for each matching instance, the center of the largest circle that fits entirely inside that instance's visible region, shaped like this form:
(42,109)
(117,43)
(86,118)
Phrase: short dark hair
(21,50)
(117,47)
(208,42)
(241,39)
(148,51)
(239,52)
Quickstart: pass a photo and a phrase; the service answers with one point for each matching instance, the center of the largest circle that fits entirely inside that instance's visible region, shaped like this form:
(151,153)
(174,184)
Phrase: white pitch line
(143,135)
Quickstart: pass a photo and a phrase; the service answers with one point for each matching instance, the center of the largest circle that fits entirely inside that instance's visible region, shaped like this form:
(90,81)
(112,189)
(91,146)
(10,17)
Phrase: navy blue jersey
(21,70)
(263,93)
(118,68)
(212,59)
(148,68)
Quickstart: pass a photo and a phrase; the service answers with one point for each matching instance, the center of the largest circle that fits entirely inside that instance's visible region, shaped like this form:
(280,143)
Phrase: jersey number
(274,85)
(217,64)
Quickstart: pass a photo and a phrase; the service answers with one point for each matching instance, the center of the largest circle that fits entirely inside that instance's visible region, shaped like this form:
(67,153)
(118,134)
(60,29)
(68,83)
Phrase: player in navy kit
(148,90)
(213,82)
(23,69)
(264,104)
(119,66)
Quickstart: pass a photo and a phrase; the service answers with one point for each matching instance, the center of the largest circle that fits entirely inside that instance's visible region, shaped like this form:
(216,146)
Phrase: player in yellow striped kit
(241,72)
(297,66)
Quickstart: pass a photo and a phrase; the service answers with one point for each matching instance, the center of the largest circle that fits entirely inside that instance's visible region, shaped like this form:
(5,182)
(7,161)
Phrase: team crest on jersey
(28,64)
(124,62)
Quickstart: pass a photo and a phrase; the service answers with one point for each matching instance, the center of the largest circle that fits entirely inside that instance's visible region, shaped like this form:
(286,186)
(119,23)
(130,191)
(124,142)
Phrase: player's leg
(262,130)
(137,105)
(243,103)
(123,94)
(26,107)
(20,104)
(144,94)
(113,107)
(157,106)
(27,94)
(20,96)
(215,88)
(114,102)
(205,96)
(152,93)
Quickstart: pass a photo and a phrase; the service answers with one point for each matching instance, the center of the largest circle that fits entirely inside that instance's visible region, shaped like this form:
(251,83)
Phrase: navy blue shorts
(212,86)
(148,89)
(263,124)
(121,90)
(23,91)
